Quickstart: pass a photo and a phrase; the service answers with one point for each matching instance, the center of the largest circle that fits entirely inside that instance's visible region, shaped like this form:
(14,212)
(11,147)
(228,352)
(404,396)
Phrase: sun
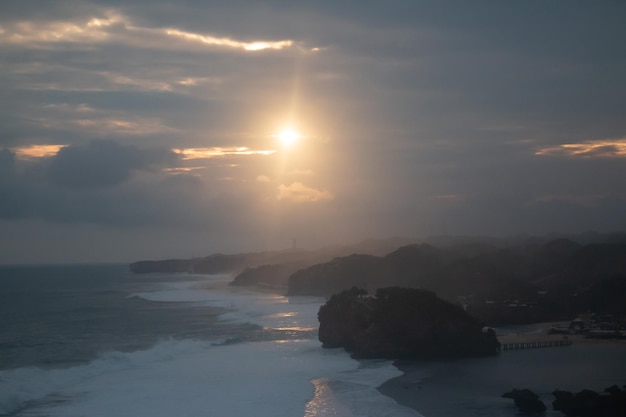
(288,136)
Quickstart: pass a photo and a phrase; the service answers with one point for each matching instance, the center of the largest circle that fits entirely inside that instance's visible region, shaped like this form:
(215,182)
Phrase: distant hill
(414,266)
(266,268)
(213,264)
(517,284)
(277,275)
(498,280)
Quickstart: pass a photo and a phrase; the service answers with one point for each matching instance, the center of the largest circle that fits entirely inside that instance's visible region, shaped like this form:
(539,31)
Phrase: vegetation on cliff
(524,283)
(401,323)
(416,266)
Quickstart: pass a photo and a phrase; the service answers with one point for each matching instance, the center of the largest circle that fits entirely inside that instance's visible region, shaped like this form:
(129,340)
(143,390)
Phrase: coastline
(541,332)
(443,388)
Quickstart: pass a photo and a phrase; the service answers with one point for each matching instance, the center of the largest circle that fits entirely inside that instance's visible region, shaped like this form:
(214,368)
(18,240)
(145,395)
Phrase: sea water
(98,341)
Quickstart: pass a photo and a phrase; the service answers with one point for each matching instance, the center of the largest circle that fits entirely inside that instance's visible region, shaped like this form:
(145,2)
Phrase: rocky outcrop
(587,403)
(401,323)
(527,401)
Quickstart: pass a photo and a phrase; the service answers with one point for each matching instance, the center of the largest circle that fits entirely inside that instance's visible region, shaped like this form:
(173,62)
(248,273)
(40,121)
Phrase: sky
(144,129)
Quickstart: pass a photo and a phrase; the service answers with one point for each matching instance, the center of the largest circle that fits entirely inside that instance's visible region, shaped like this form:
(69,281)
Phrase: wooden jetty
(535,344)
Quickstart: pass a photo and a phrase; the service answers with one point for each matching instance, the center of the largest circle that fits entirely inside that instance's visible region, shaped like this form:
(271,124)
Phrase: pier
(536,344)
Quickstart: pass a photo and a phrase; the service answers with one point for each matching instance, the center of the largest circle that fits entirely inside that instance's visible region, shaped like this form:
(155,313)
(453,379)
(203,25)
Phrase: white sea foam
(242,305)
(187,378)
(178,378)
(23,385)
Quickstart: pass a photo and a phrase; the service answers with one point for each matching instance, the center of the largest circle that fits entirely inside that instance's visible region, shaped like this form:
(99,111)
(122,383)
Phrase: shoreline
(441,388)
(432,389)
(541,332)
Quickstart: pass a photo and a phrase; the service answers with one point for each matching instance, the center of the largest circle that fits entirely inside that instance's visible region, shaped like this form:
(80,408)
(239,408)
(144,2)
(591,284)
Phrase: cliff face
(401,323)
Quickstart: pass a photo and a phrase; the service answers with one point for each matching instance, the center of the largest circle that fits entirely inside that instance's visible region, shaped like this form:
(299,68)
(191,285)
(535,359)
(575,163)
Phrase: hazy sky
(148,129)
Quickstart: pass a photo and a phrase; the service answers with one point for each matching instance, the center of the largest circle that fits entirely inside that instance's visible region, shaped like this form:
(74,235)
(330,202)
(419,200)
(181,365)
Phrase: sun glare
(288,136)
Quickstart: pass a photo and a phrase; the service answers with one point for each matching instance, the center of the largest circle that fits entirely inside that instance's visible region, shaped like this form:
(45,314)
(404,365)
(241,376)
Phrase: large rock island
(401,323)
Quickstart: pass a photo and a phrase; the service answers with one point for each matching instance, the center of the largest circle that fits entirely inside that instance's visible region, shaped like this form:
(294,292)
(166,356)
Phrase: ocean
(96,340)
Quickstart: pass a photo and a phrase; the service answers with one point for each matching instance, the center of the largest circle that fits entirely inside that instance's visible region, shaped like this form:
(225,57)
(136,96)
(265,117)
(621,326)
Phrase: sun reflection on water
(324,402)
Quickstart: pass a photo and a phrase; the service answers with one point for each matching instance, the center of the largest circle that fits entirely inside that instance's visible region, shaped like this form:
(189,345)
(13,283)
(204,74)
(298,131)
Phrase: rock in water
(527,401)
(587,403)
(401,323)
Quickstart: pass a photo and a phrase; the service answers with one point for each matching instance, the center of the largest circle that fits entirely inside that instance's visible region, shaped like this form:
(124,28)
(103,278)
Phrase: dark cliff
(401,323)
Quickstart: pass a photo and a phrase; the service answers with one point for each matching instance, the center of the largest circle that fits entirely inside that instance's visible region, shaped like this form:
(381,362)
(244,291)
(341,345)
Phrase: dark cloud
(101,182)
(103,163)
(9,198)
(7,164)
